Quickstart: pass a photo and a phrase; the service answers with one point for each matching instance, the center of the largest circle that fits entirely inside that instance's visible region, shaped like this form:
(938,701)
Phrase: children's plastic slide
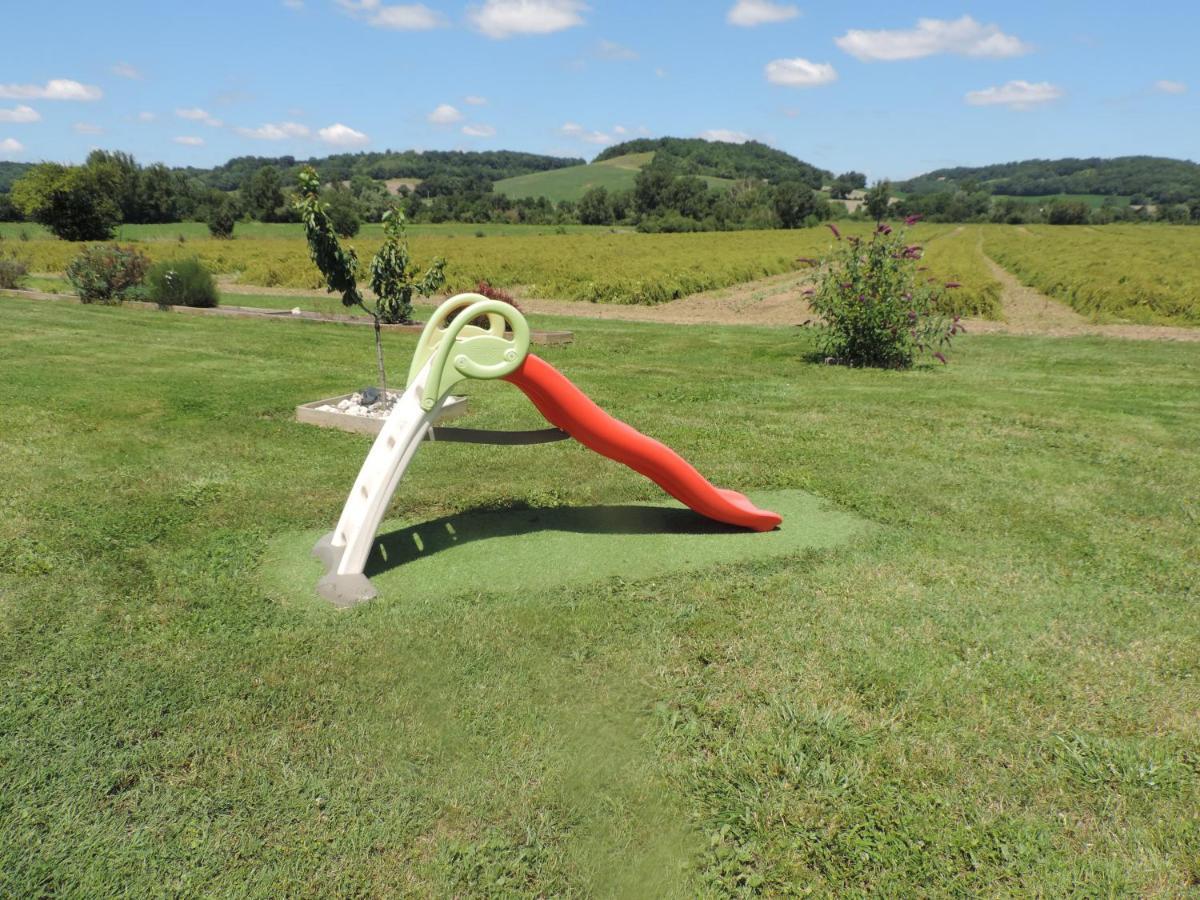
(451,349)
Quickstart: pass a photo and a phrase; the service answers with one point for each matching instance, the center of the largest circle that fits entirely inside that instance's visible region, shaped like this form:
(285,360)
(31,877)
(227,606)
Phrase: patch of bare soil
(777,300)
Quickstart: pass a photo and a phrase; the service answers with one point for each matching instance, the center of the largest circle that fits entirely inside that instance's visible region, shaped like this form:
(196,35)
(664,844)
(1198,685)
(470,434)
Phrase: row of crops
(1135,273)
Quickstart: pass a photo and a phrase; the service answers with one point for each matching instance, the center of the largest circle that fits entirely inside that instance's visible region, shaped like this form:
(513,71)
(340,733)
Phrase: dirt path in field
(775,300)
(1028,311)
(779,300)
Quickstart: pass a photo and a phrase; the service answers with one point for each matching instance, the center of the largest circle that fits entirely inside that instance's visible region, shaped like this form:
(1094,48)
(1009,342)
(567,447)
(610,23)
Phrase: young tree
(393,276)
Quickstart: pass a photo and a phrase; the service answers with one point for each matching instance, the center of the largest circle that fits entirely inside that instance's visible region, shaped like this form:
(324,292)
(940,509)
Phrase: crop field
(1114,273)
(990,691)
(618,268)
(18,232)
(953,256)
(1132,273)
(601,266)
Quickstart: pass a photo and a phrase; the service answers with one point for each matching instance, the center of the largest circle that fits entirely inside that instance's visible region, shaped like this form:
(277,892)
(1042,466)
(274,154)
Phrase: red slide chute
(568,408)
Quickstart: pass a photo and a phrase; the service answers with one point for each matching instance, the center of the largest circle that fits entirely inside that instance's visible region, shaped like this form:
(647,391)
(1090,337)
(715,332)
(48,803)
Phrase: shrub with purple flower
(875,309)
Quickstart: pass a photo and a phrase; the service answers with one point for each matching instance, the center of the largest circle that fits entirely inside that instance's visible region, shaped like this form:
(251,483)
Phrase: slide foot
(345,591)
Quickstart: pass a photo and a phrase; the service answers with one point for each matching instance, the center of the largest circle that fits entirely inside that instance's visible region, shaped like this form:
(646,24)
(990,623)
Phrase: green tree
(878,200)
(595,207)
(262,194)
(77,203)
(343,211)
(841,186)
(222,218)
(794,202)
(651,186)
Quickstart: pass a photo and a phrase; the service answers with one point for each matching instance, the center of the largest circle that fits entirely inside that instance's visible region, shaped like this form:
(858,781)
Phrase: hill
(718,159)
(615,174)
(1155,178)
(10,172)
(490,165)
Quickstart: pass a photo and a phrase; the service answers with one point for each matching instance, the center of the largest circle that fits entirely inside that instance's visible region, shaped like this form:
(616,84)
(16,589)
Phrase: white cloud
(294,4)
(125,70)
(54,89)
(620,129)
(474,100)
(614,51)
(275,132)
(11,146)
(963,37)
(660,72)
(445,114)
(146,117)
(725,136)
(196,114)
(578,132)
(342,136)
(504,18)
(1015,94)
(478,131)
(1166,86)
(799,73)
(20,114)
(748,13)
(87,128)
(189,141)
(401,17)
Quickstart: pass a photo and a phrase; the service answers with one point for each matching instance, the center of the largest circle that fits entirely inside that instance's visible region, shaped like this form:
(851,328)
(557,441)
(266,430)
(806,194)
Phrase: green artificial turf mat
(529,549)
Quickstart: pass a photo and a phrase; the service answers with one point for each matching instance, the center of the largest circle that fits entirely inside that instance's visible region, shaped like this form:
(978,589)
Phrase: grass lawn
(994,689)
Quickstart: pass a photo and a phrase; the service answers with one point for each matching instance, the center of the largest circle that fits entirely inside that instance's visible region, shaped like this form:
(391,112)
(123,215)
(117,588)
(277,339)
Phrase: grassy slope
(617,174)
(995,692)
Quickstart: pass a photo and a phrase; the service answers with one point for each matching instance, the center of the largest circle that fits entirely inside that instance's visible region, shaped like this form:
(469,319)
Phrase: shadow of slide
(518,550)
(404,546)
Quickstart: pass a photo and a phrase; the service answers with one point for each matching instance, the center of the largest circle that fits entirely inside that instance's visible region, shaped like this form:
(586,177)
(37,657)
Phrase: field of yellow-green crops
(1135,273)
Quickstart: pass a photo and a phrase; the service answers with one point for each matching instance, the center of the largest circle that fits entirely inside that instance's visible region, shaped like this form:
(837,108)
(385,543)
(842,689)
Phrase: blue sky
(891,89)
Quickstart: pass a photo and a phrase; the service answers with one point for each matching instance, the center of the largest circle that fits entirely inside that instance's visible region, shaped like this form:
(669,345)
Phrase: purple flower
(953,284)
(913,251)
(912,220)
(837,234)
(883,228)
(940,357)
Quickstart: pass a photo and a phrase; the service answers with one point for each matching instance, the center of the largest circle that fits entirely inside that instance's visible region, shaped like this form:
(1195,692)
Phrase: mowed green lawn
(994,691)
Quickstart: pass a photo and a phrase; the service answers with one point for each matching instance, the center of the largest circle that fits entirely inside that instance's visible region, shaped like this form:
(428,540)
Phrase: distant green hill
(615,174)
(718,159)
(1156,178)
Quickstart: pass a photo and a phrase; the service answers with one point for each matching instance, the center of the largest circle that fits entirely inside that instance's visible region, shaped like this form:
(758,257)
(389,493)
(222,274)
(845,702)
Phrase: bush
(12,271)
(222,220)
(875,308)
(486,289)
(106,273)
(181,282)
